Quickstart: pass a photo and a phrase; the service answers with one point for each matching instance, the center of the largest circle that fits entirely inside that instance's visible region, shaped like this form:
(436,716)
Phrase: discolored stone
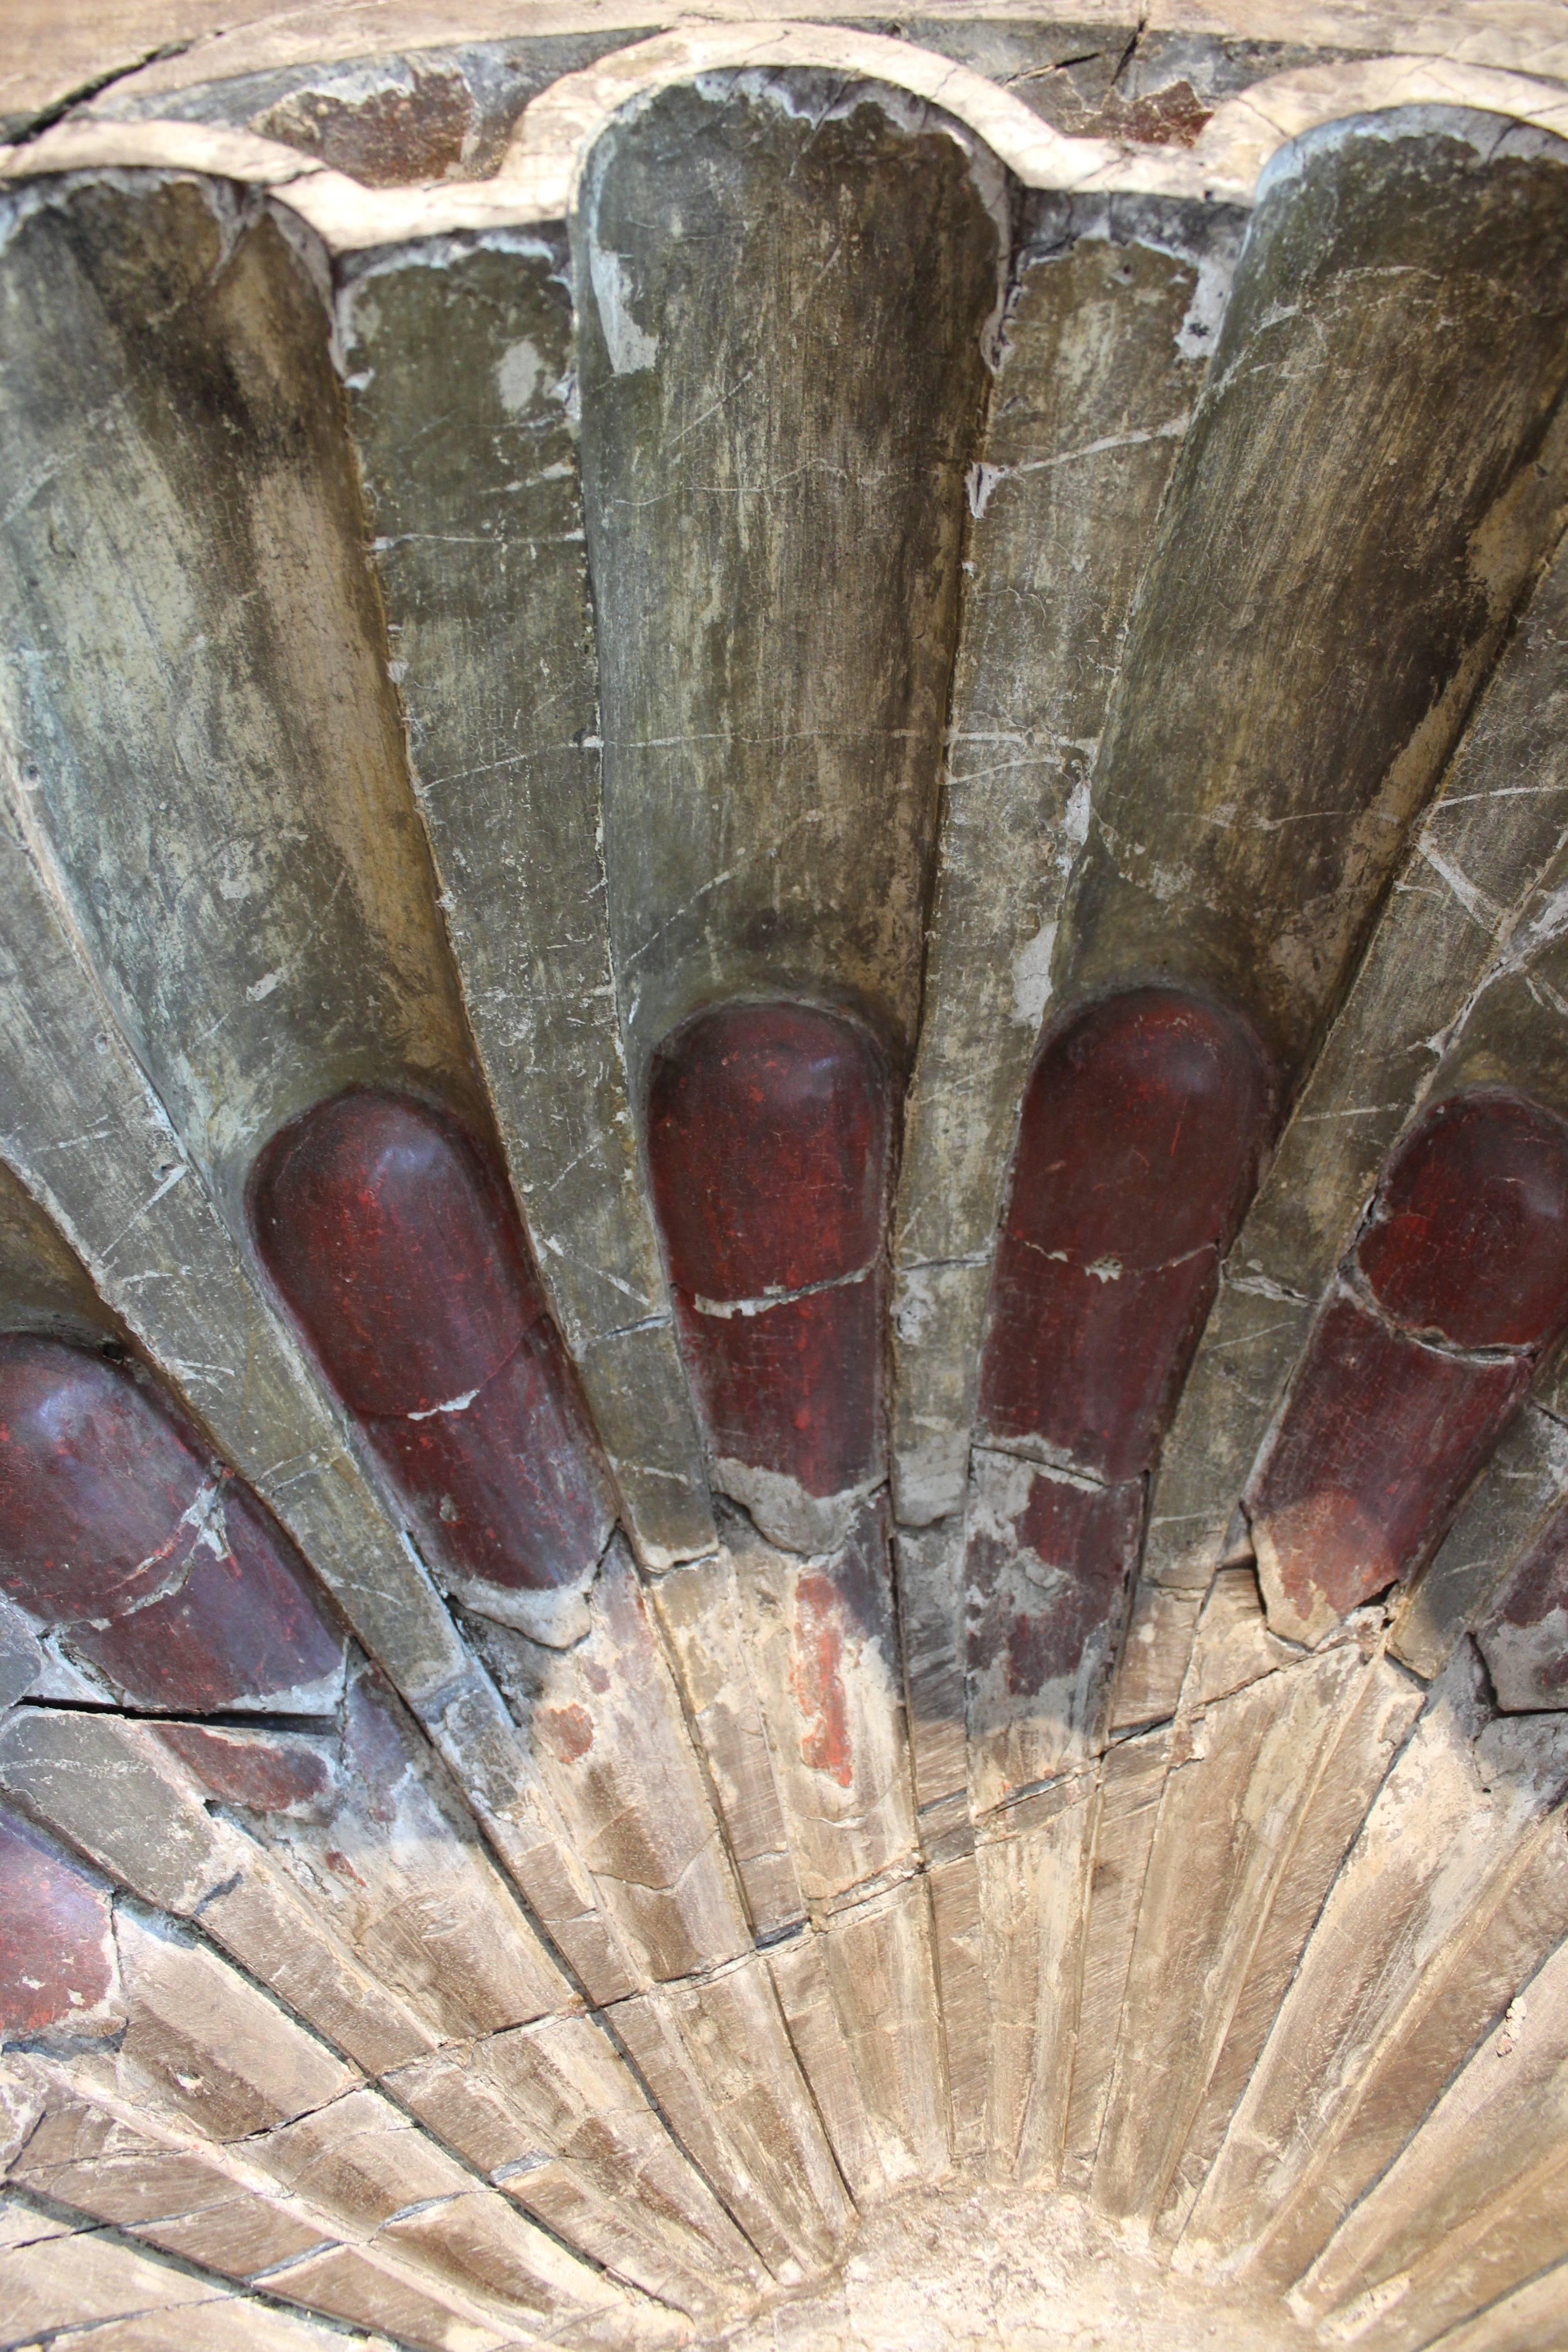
(1524,1640)
(1048,1564)
(57,1945)
(170,1576)
(768,1146)
(1245,855)
(774,551)
(479,520)
(1380,1439)
(395,1244)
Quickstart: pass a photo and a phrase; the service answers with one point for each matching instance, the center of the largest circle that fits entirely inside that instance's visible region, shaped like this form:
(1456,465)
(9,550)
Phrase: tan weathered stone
(800,1977)
(929,1574)
(1473,2206)
(882,1968)
(1034,1870)
(604,1723)
(555,2116)
(1252,1823)
(823,1642)
(717,2057)
(707,1627)
(1099,1866)
(1156,1651)
(1442,1909)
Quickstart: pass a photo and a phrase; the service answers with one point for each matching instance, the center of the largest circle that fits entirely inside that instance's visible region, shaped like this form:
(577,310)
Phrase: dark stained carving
(768,1144)
(391,1236)
(1349,497)
(1425,1345)
(1138,1148)
(774,551)
(1142,1127)
(171,1579)
(57,1950)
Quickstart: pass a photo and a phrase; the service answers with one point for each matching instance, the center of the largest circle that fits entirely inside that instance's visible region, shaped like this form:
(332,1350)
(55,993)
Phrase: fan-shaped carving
(784,1189)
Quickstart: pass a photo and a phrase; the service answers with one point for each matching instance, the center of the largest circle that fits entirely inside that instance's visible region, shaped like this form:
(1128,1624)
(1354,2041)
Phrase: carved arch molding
(784,1181)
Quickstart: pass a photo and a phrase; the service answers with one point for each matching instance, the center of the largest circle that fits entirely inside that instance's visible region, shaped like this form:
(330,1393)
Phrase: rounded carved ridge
(768,1138)
(395,1246)
(1391,1414)
(167,1574)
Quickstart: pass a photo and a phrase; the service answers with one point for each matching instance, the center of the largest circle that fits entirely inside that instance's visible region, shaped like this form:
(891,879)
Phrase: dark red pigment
(54,1949)
(1143,1126)
(264,1771)
(1467,1248)
(394,1242)
(768,1145)
(106,1530)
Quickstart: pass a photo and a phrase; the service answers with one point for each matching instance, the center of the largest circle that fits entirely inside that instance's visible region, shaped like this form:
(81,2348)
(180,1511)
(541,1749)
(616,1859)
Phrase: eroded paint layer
(1425,1345)
(768,1144)
(167,1574)
(392,1239)
(1138,1150)
(57,1951)
(1525,1638)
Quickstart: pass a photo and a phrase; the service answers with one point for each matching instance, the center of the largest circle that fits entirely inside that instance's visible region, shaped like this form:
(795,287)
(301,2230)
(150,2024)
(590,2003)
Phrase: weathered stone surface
(1154,1654)
(1456,1885)
(1473,2206)
(769,1143)
(169,1578)
(114,1790)
(928,1576)
(707,1625)
(823,1650)
(1049,1559)
(716,2055)
(555,2116)
(1479,884)
(1524,1640)
(1096,376)
(276,777)
(390,1233)
(1034,1863)
(1251,868)
(603,1722)
(1251,1345)
(382,1851)
(52,2283)
(478,520)
(59,1972)
(768,828)
(1100,1864)
(962,1983)
(1505,1512)
(881,1967)
(1275,1785)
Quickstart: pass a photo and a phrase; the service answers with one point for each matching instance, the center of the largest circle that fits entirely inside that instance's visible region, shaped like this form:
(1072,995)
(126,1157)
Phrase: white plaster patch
(517,372)
(630,347)
(1031,975)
